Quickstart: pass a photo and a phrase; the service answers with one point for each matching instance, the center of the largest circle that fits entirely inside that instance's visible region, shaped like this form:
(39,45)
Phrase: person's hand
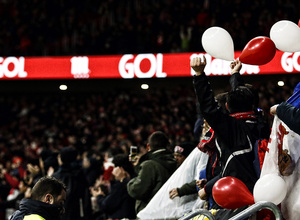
(198,65)
(96,191)
(4,171)
(98,181)
(27,193)
(173,193)
(22,187)
(202,194)
(33,169)
(86,162)
(235,67)
(136,160)
(119,173)
(201,183)
(101,181)
(50,171)
(28,180)
(273,109)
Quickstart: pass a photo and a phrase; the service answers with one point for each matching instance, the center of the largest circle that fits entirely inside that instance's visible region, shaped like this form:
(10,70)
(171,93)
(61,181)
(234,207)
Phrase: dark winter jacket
(153,170)
(78,202)
(39,210)
(235,138)
(187,189)
(290,115)
(117,204)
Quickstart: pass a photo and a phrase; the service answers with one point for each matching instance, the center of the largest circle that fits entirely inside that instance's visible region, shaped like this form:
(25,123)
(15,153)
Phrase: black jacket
(78,202)
(117,204)
(42,209)
(235,138)
(290,115)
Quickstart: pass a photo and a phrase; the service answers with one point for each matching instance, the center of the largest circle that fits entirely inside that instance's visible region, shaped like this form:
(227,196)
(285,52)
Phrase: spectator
(108,166)
(13,200)
(92,167)
(236,133)
(117,204)
(46,121)
(182,151)
(15,173)
(185,36)
(109,27)
(289,113)
(48,160)
(46,202)
(77,205)
(206,145)
(153,170)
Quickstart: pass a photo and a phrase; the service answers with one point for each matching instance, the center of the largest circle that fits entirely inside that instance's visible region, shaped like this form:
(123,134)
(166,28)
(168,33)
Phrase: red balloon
(258,51)
(231,193)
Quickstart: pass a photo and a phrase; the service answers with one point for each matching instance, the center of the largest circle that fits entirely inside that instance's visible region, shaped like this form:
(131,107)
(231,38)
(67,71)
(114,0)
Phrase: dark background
(219,83)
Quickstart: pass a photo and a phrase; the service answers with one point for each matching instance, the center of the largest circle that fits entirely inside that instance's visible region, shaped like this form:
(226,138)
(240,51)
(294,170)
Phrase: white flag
(282,135)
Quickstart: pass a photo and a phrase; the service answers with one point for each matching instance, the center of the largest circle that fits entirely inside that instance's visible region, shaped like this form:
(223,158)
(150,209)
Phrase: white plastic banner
(283,135)
(161,206)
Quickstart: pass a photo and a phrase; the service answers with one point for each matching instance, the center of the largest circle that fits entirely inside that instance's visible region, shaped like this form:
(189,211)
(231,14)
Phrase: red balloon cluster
(258,51)
(231,193)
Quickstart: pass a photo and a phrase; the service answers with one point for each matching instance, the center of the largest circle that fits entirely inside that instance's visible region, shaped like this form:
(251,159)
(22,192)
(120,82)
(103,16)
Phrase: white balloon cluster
(217,42)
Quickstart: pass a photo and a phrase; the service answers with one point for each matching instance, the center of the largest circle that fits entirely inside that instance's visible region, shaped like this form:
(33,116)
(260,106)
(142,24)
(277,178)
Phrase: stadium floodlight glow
(63,87)
(145,86)
(280,83)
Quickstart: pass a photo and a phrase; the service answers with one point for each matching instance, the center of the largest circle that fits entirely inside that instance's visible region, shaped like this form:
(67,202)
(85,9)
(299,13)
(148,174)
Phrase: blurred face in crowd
(179,158)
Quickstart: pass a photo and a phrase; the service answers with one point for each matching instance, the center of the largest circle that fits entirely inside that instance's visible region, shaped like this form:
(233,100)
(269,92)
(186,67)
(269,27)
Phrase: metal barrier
(255,208)
(198,212)
(242,215)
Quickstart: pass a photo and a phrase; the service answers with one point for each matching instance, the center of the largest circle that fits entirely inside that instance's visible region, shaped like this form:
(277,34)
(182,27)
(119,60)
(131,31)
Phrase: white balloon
(270,188)
(286,36)
(218,43)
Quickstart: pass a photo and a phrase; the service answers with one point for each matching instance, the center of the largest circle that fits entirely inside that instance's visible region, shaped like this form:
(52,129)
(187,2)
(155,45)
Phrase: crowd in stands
(102,125)
(35,128)
(45,28)
(110,119)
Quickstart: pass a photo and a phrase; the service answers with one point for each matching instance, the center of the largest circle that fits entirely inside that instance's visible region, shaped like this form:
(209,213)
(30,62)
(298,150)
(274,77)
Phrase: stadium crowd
(92,27)
(100,126)
(35,128)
